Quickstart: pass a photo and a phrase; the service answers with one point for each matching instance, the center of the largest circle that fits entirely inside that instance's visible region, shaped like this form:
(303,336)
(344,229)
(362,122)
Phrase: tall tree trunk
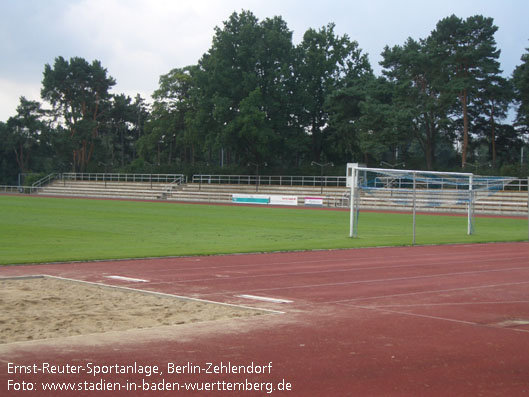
(464,100)
(316,144)
(493,137)
(83,157)
(429,152)
(427,142)
(22,163)
(74,160)
(90,153)
(122,147)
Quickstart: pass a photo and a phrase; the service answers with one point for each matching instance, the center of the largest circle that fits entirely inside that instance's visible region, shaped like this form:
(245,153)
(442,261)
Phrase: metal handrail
(178,181)
(48,178)
(281,180)
(17,189)
(167,189)
(502,184)
(117,177)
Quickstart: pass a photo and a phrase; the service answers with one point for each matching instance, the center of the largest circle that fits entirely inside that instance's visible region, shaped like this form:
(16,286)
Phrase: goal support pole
(352,215)
(470,205)
(414,204)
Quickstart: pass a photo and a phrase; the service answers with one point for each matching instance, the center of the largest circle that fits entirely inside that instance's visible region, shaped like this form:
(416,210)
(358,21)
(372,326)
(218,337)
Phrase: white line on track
(331,271)
(381,280)
(122,278)
(447,304)
(452,320)
(264,298)
(358,261)
(434,291)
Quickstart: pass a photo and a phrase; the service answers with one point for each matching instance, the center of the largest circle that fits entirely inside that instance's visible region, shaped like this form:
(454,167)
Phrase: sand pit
(43,308)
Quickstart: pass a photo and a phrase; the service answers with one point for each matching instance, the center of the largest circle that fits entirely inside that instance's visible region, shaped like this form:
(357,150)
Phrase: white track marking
(433,291)
(383,280)
(134,280)
(264,298)
(358,261)
(447,304)
(330,271)
(452,320)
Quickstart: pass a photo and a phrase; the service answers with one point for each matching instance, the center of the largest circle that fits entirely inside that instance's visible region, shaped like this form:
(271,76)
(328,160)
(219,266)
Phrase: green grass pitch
(37,229)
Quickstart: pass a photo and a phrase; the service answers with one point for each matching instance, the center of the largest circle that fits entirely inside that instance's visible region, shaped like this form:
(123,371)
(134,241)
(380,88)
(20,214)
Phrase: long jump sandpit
(38,307)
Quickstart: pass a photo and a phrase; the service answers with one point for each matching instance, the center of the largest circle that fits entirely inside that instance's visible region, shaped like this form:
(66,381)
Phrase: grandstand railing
(171,180)
(45,180)
(280,180)
(12,189)
(115,177)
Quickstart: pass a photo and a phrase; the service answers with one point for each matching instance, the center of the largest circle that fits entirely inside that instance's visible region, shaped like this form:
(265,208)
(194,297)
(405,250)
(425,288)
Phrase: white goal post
(405,190)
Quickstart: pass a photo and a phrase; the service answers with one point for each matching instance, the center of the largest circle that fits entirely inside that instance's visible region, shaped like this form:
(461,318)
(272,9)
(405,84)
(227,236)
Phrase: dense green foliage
(37,229)
(521,84)
(256,99)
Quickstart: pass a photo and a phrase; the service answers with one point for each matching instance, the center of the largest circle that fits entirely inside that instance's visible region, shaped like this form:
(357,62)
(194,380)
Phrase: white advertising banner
(284,200)
(314,201)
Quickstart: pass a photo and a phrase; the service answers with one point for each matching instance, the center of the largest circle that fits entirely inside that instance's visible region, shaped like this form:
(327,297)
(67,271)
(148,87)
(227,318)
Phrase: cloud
(10,94)
(139,40)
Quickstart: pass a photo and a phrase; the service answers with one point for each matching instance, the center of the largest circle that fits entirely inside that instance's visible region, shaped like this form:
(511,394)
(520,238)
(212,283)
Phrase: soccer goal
(413,190)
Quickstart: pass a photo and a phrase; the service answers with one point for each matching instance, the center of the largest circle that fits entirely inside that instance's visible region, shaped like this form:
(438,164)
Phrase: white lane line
(386,280)
(134,280)
(452,320)
(264,298)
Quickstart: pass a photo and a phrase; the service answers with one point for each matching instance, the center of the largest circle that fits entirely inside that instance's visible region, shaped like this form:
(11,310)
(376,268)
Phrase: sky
(139,40)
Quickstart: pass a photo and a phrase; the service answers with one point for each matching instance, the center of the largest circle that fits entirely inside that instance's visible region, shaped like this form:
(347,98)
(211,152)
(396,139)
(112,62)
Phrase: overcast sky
(139,40)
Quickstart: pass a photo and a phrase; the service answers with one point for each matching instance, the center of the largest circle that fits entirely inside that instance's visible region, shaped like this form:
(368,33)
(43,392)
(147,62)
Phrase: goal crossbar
(395,171)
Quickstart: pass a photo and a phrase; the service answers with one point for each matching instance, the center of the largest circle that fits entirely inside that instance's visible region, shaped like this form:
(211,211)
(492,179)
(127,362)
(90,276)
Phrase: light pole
(322,166)
(256,173)
(105,174)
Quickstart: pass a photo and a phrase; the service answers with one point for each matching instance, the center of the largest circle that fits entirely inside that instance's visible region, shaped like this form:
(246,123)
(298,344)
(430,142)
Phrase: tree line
(257,100)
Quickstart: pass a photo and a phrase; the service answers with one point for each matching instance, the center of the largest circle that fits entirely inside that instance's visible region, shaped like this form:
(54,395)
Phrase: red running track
(410,321)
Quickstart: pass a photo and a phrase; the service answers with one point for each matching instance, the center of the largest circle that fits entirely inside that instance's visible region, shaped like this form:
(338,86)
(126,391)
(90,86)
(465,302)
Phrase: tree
(169,136)
(26,132)
(245,78)
(250,132)
(520,80)
(466,50)
(361,121)
(8,165)
(420,103)
(172,109)
(117,136)
(79,94)
(325,62)
(494,96)
(383,134)
(509,143)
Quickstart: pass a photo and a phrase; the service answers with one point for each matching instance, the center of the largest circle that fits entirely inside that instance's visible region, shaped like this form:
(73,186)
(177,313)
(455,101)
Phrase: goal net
(412,190)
